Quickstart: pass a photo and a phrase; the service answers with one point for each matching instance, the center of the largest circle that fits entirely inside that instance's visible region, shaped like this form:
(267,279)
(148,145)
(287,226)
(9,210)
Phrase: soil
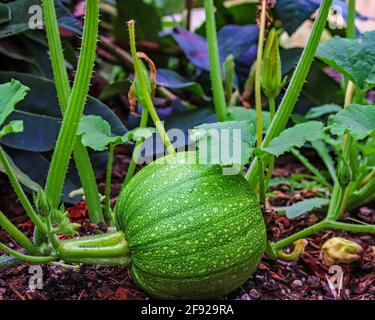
(306,279)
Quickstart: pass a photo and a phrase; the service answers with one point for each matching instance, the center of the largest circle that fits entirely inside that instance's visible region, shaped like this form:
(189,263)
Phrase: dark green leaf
(42,120)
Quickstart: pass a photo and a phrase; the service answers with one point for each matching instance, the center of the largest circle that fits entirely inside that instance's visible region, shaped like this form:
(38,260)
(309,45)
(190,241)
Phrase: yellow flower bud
(340,250)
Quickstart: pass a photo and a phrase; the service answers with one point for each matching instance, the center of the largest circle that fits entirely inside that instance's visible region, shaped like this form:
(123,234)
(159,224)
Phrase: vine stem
(137,150)
(24,257)
(146,98)
(215,65)
(290,98)
(21,194)
(16,234)
(75,106)
(81,156)
(323,225)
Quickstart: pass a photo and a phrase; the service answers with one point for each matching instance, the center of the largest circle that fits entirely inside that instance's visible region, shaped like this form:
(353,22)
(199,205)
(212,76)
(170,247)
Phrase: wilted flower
(340,250)
(299,248)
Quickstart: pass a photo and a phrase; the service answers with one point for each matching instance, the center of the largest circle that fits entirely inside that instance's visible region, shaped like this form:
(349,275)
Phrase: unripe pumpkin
(193,232)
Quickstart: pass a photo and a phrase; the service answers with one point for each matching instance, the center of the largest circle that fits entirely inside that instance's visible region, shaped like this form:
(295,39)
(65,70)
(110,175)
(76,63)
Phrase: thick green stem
(95,247)
(146,96)
(258,74)
(20,193)
(16,234)
(108,181)
(63,89)
(76,104)
(215,65)
(299,77)
(137,150)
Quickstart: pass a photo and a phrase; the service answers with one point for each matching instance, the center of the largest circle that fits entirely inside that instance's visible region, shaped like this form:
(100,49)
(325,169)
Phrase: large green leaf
(11,93)
(296,136)
(354,58)
(358,120)
(225,143)
(41,114)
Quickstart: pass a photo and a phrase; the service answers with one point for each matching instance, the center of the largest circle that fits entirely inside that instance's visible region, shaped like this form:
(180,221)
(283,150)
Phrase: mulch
(305,279)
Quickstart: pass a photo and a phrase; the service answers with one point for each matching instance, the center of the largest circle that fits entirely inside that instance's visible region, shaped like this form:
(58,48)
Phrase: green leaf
(241,113)
(225,143)
(12,127)
(11,93)
(304,206)
(296,136)
(354,58)
(96,133)
(318,112)
(358,120)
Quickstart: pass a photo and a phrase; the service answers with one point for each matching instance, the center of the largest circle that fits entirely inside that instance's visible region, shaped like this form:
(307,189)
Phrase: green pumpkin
(193,232)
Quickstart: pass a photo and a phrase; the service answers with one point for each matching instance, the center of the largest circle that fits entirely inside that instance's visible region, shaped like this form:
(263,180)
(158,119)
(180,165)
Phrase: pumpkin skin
(193,232)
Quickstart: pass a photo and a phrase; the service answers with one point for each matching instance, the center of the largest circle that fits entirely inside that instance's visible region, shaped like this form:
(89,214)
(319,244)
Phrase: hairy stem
(75,106)
(215,65)
(290,98)
(81,156)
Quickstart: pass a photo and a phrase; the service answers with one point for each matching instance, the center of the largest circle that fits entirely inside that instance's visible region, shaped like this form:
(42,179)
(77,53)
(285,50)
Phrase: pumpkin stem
(108,249)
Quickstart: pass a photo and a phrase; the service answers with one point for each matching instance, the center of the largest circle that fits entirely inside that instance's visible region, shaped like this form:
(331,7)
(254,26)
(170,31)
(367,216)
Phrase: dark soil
(305,279)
